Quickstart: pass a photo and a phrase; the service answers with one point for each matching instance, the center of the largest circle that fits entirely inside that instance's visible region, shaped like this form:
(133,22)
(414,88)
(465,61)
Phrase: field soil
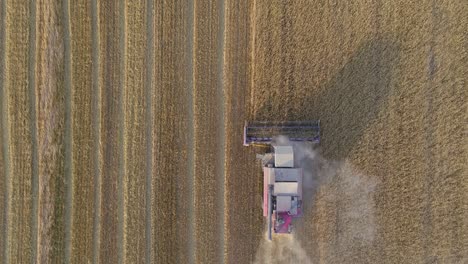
(122,121)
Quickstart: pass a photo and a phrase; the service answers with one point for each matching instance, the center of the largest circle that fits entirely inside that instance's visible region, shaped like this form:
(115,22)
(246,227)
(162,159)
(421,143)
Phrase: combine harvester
(282,179)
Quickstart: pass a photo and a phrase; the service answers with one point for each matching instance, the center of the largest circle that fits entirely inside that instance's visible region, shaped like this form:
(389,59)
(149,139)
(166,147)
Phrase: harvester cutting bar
(264,132)
(285,127)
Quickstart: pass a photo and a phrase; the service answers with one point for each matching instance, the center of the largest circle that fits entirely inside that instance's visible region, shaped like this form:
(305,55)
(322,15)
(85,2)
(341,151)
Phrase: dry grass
(17,104)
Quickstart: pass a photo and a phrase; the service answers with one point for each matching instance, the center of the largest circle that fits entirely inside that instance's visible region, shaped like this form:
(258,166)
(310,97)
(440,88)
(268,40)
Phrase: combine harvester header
(264,132)
(282,180)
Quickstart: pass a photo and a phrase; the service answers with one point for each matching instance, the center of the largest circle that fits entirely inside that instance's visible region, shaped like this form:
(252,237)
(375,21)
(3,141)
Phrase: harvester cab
(282,179)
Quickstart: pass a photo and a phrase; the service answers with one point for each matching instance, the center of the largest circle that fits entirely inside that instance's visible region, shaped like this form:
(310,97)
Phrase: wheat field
(122,121)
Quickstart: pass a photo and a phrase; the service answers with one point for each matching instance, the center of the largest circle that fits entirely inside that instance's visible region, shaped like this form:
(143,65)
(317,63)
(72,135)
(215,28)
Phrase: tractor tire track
(159,236)
(68,133)
(96,124)
(148,94)
(221,132)
(110,59)
(34,130)
(122,140)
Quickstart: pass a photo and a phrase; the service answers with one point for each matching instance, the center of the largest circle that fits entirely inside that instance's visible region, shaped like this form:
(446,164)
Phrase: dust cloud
(282,249)
(339,183)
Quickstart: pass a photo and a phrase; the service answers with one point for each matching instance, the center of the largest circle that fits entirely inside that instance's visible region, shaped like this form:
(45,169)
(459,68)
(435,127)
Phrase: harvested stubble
(84,148)
(136,144)
(172,194)
(17,105)
(209,171)
(243,219)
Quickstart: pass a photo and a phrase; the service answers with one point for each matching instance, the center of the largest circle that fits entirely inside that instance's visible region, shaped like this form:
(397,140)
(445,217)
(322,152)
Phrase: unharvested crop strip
(222,127)
(34,135)
(67,132)
(121,145)
(149,127)
(191,133)
(5,137)
(252,59)
(96,116)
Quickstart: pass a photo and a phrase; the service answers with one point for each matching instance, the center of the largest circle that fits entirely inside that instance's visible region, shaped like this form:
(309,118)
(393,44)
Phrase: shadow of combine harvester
(346,104)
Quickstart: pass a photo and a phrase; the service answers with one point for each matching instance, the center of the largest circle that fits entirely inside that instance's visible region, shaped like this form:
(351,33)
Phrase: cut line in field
(121,134)
(97,130)
(67,132)
(149,128)
(252,59)
(34,135)
(191,134)
(222,127)
(158,75)
(5,135)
